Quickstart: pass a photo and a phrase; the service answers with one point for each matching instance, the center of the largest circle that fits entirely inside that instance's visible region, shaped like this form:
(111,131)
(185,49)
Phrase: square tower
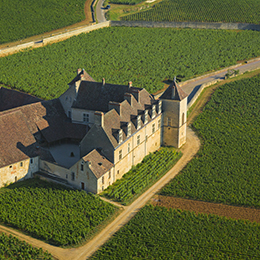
(174,105)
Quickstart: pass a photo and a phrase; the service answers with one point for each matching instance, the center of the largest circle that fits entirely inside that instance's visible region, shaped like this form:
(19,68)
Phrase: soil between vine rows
(233,212)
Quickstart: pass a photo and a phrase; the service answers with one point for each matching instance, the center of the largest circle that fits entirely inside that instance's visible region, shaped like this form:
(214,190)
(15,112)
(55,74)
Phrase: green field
(50,212)
(235,11)
(143,175)
(227,167)
(145,56)
(13,248)
(160,233)
(20,20)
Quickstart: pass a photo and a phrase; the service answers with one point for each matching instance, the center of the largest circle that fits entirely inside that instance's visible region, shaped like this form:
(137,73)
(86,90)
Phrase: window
(128,148)
(15,179)
(21,164)
(159,123)
(69,114)
(10,166)
(117,171)
(120,136)
(103,180)
(109,174)
(128,129)
(66,176)
(138,122)
(86,118)
(160,107)
(169,121)
(120,155)
(82,167)
(153,128)
(73,176)
(31,160)
(153,111)
(138,139)
(146,116)
(183,116)
(102,188)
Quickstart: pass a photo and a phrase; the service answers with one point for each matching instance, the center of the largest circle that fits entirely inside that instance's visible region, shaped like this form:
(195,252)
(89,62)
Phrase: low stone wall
(54,38)
(193,25)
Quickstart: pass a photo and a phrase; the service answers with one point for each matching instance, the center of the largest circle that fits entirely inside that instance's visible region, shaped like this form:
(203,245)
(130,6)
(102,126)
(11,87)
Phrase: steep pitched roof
(82,75)
(98,164)
(174,92)
(17,142)
(96,96)
(10,98)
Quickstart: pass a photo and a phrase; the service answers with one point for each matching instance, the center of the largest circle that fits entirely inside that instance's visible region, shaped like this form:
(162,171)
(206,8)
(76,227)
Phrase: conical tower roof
(174,92)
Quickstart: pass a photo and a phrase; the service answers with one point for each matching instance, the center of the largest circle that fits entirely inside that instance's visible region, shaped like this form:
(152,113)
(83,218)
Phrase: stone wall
(193,25)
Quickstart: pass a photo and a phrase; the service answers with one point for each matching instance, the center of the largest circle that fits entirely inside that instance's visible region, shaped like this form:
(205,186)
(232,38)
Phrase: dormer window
(138,122)
(120,136)
(128,129)
(146,117)
(85,117)
(160,107)
(153,111)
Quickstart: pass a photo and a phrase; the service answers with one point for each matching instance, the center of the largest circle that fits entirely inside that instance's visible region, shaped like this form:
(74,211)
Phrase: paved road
(100,12)
(191,86)
(82,253)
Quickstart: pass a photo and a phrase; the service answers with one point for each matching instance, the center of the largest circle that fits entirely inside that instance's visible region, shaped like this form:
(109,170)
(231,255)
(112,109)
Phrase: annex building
(91,135)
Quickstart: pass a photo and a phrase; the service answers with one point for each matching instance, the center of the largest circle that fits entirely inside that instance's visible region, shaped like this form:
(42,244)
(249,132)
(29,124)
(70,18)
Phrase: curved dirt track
(228,211)
(189,150)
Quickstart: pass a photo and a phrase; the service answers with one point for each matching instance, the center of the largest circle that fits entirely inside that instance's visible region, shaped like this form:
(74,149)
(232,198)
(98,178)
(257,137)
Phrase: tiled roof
(17,142)
(174,92)
(98,164)
(11,98)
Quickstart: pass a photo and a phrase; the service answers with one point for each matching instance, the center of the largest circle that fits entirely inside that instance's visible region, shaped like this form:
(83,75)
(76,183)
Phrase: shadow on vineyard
(53,213)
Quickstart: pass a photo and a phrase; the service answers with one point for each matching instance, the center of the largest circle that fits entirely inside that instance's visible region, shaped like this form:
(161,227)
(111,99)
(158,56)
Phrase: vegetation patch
(125,2)
(161,233)
(142,176)
(21,20)
(50,212)
(235,11)
(226,169)
(145,56)
(13,248)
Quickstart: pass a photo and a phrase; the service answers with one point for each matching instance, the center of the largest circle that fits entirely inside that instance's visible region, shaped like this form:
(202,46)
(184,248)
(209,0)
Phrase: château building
(91,135)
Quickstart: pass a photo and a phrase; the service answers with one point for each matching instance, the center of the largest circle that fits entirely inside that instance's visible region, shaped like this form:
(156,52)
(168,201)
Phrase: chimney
(129,98)
(130,84)
(78,71)
(114,105)
(99,118)
(103,82)
(136,94)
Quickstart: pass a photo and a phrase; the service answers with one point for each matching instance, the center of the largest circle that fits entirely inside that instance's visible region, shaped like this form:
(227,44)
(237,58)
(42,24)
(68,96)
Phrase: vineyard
(161,233)
(145,56)
(19,21)
(227,168)
(51,212)
(235,11)
(143,175)
(13,248)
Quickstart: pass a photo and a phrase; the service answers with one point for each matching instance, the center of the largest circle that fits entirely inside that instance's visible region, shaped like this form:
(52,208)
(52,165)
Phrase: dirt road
(189,150)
